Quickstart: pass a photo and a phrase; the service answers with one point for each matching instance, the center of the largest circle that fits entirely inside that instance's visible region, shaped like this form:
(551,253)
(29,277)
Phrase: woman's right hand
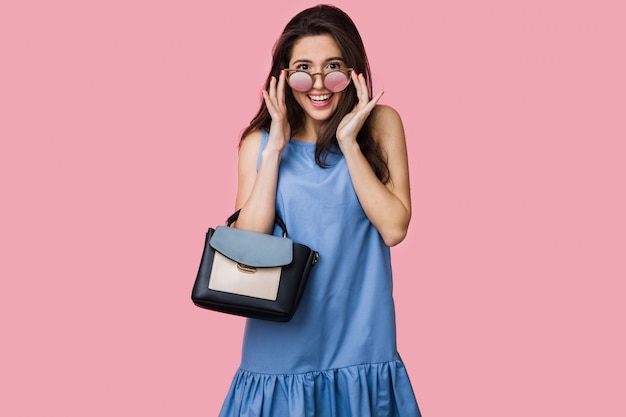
(280,131)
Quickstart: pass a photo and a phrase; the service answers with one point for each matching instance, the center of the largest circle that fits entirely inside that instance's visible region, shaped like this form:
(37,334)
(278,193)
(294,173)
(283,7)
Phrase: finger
(361,90)
(268,102)
(370,106)
(364,89)
(357,84)
(272,88)
(280,91)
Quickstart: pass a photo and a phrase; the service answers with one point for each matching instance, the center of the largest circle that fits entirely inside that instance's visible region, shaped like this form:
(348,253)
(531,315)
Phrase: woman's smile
(320,100)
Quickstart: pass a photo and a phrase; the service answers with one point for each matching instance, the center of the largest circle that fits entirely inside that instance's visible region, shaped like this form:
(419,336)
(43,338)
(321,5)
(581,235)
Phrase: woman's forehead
(314,49)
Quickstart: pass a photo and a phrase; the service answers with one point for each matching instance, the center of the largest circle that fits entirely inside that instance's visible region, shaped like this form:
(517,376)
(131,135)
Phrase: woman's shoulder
(251,141)
(254,136)
(386,124)
(249,148)
(385,111)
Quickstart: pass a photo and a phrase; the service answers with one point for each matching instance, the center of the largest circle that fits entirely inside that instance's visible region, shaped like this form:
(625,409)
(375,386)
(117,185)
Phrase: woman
(332,163)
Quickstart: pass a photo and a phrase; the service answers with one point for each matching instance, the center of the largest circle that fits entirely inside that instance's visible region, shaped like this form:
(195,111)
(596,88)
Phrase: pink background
(119,123)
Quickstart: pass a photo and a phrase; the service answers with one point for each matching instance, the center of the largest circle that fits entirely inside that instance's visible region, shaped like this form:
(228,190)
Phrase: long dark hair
(325,20)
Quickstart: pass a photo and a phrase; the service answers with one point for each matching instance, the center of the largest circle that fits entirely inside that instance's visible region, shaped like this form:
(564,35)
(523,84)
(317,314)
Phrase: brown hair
(325,20)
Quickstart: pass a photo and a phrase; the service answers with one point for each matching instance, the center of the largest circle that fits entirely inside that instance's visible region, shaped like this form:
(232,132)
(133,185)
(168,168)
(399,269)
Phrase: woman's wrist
(349,147)
(271,155)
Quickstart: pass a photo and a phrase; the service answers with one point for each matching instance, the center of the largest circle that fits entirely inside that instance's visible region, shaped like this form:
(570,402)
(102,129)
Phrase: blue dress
(337,357)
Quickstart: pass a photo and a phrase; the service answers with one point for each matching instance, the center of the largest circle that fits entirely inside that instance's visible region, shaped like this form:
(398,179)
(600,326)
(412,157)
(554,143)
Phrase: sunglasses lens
(300,81)
(336,81)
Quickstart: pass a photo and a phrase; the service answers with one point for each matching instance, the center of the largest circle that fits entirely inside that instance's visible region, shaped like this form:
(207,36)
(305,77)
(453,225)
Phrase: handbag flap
(252,248)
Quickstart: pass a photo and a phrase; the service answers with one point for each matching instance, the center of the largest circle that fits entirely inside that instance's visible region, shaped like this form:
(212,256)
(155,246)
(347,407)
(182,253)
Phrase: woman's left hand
(352,122)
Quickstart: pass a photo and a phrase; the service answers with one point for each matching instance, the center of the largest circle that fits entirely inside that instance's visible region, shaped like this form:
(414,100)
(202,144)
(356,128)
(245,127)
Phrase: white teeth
(319,99)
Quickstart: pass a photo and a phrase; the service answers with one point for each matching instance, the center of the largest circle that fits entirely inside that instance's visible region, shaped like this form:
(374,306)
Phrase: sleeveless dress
(337,357)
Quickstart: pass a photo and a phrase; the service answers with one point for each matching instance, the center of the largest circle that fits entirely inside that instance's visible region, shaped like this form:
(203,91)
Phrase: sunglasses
(335,80)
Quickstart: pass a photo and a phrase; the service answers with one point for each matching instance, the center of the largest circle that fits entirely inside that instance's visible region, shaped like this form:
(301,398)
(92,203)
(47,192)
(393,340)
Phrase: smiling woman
(331,162)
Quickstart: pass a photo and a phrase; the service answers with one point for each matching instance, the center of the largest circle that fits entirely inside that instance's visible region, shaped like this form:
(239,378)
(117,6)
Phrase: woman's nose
(318,81)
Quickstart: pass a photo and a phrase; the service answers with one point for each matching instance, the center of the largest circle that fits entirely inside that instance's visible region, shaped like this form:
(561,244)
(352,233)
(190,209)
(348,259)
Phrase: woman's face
(317,54)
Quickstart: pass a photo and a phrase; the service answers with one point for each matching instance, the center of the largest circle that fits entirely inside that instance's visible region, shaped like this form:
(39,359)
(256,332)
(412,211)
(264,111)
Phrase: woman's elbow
(393,227)
(394,236)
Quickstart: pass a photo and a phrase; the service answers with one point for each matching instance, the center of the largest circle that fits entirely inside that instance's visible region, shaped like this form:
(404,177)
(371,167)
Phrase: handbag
(252,274)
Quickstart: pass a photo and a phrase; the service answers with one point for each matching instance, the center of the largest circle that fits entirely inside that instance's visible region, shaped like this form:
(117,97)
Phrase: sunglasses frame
(346,71)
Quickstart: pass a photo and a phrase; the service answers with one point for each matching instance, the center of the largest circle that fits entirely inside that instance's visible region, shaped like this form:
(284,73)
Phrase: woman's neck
(310,131)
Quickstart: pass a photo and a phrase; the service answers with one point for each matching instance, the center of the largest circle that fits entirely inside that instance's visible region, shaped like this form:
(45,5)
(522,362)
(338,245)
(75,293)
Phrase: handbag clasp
(246,268)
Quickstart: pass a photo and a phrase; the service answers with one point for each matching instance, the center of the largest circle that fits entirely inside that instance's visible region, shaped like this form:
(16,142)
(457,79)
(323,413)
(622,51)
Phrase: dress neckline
(302,144)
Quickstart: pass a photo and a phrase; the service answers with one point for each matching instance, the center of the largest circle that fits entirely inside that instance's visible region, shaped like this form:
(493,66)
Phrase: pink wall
(119,125)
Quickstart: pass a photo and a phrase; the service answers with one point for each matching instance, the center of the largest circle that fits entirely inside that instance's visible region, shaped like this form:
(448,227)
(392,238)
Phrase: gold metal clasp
(246,268)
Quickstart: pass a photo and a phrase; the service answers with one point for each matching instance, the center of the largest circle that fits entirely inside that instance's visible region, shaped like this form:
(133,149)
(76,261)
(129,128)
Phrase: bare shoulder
(249,153)
(383,112)
(251,142)
(386,126)
(249,149)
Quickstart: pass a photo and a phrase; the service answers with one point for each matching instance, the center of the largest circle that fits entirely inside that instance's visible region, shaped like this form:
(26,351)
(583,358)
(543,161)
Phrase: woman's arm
(256,191)
(388,206)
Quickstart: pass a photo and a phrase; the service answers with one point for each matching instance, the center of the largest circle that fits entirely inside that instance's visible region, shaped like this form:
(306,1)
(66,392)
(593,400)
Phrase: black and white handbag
(252,274)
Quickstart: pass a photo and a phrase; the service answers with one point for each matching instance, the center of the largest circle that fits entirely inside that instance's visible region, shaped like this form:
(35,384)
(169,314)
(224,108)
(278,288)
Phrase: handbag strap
(278,221)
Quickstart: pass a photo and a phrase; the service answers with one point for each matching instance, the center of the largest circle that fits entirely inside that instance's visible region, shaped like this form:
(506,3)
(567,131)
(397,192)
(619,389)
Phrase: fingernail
(281,72)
